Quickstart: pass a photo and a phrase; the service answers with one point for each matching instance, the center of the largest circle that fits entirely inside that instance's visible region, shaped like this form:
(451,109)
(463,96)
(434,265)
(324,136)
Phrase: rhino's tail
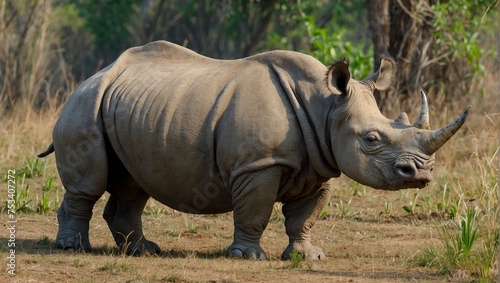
(49,150)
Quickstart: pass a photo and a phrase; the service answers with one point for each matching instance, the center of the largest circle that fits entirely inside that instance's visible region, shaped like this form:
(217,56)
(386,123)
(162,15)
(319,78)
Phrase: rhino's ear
(338,77)
(383,78)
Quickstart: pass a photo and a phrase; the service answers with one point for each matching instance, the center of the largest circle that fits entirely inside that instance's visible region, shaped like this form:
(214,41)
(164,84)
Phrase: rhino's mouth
(404,173)
(397,183)
(394,182)
(415,185)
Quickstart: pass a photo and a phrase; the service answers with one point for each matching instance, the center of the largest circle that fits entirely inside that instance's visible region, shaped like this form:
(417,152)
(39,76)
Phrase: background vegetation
(448,48)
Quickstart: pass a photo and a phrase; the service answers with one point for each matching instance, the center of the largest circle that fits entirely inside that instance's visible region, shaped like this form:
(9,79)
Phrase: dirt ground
(361,247)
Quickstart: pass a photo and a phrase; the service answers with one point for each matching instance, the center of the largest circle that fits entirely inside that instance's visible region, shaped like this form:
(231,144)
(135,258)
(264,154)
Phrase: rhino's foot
(305,249)
(124,220)
(138,248)
(75,243)
(246,252)
(73,232)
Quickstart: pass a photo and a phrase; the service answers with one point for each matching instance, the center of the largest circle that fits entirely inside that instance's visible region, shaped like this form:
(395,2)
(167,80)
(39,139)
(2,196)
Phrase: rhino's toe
(305,249)
(143,247)
(252,253)
(236,253)
(241,251)
(74,244)
(315,253)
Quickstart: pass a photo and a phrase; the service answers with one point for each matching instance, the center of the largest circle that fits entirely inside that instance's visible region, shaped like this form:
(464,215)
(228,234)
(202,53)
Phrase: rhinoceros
(210,136)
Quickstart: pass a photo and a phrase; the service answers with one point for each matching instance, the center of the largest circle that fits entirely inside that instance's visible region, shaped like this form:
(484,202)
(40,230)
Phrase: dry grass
(25,132)
(366,234)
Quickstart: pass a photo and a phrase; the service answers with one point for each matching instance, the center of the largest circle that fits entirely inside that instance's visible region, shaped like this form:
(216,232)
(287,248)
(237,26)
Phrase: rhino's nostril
(405,171)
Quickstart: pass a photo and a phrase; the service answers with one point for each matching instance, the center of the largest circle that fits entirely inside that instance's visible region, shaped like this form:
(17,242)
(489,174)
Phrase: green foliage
(324,214)
(44,204)
(457,28)
(488,254)
(320,29)
(107,21)
(33,167)
(32,171)
(359,190)
(326,47)
(68,17)
(464,32)
(344,208)
(21,198)
(295,259)
(413,205)
(459,248)
(467,235)
(192,229)
(49,183)
(448,205)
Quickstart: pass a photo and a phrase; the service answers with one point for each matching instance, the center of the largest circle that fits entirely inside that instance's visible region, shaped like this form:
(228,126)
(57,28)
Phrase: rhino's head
(376,151)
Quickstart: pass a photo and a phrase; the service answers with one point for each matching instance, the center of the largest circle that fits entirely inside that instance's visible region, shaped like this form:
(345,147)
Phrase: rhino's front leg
(300,216)
(254,195)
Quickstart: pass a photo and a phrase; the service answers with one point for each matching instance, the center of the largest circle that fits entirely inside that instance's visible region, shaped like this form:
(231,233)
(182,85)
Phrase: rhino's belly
(195,200)
(182,183)
(189,191)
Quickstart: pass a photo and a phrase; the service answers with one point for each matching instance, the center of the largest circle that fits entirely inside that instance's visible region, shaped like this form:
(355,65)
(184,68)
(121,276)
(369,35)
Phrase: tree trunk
(379,29)
(402,29)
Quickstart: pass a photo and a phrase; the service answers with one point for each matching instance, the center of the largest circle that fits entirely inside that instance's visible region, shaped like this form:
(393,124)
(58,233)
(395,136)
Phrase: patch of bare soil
(359,249)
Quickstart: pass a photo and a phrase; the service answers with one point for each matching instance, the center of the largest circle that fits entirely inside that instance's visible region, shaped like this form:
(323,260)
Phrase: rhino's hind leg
(73,216)
(123,214)
(82,165)
(300,216)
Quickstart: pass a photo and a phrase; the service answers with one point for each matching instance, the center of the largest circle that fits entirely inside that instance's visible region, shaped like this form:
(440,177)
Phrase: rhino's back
(185,125)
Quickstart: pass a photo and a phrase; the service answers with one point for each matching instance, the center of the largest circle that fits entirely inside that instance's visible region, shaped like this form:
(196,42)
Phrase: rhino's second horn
(423,117)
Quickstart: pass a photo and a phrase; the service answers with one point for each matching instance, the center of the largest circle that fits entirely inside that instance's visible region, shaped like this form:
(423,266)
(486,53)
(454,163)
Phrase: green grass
(344,208)
(45,241)
(21,198)
(44,204)
(463,248)
(468,233)
(31,174)
(295,259)
(33,167)
(412,207)
(462,204)
(115,267)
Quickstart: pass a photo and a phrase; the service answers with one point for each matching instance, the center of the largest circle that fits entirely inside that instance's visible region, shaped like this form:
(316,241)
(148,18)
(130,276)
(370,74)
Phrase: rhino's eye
(372,138)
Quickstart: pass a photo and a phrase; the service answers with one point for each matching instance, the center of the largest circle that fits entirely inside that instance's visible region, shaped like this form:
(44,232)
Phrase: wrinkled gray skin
(211,136)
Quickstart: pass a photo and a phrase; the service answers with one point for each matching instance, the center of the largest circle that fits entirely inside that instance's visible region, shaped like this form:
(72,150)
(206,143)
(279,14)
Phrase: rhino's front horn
(423,117)
(438,138)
